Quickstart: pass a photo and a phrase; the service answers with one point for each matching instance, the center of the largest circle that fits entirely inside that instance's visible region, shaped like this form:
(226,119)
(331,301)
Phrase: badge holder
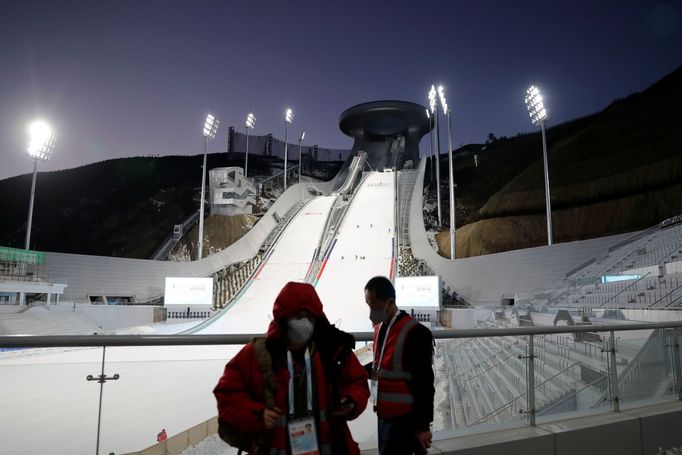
(373,387)
(302,434)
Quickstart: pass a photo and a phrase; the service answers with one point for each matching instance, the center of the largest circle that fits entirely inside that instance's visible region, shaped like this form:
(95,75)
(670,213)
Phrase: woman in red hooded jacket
(318,382)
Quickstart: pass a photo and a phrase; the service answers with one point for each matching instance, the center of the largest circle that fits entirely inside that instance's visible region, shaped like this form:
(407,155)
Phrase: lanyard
(309,382)
(383,345)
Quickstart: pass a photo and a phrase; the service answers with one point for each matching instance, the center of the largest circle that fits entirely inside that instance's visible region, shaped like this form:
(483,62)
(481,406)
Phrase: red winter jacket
(338,373)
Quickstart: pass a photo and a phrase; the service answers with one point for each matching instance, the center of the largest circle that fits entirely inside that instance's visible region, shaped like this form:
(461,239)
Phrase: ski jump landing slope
(289,261)
(363,248)
(49,407)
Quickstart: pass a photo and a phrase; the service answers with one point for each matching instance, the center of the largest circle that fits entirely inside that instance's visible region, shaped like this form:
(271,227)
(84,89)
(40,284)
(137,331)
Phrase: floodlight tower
(434,112)
(288,118)
(433,164)
(538,115)
(300,140)
(250,124)
(446,112)
(40,148)
(210,129)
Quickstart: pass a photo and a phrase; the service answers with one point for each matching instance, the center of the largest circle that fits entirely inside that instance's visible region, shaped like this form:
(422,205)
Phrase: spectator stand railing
(671,331)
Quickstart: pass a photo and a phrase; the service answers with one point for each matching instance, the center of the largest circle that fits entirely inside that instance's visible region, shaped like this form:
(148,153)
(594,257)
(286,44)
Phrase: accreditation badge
(303,437)
(373,387)
(373,391)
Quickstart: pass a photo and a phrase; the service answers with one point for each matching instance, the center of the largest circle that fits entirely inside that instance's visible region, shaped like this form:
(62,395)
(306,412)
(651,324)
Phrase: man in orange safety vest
(401,374)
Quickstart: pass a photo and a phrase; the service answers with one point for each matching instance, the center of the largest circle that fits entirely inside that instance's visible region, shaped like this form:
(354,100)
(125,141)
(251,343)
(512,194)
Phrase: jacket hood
(292,299)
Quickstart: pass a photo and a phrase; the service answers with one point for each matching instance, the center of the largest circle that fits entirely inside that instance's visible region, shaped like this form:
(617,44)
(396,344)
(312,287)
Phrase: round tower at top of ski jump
(388,131)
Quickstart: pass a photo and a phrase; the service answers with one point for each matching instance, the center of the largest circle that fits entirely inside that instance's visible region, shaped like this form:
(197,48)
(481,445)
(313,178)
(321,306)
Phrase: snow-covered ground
(363,249)
(212,445)
(50,407)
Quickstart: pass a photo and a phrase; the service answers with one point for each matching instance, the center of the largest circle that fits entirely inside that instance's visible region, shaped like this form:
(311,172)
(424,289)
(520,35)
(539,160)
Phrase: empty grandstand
(644,271)
(46,320)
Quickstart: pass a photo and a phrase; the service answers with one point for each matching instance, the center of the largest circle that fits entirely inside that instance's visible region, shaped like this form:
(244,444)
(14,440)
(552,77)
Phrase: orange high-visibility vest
(393,394)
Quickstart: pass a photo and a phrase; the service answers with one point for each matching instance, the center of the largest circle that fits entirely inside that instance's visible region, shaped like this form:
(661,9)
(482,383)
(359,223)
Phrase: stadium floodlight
(433,104)
(288,118)
(535,105)
(443,102)
(250,124)
(42,139)
(538,115)
(40,147)
(446,112)
(210,130)
(300,140)
(210,126)
(431,154)
(432,99)
(250,121)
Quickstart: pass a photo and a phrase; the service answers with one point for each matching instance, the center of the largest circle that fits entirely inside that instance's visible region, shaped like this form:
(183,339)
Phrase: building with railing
(230,192)
(23,278)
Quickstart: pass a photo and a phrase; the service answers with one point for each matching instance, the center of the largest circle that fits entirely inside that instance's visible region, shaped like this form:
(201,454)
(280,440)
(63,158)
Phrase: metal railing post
(613,372)
(101,379)
(677,368)
(396,227)
(531,380)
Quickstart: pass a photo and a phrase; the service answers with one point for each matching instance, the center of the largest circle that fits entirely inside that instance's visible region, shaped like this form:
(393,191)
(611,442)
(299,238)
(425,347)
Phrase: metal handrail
(509,403)
(190,340)
(666,296)
(625,289)
(164,249)
(290,170)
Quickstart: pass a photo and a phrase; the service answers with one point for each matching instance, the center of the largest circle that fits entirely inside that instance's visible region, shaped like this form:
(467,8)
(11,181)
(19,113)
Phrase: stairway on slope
(46,320)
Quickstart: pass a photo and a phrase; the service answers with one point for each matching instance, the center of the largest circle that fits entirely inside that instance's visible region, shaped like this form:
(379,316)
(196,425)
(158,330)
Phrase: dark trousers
(398,437)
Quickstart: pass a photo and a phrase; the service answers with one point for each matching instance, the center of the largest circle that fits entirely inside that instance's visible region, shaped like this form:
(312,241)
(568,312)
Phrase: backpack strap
(265,367)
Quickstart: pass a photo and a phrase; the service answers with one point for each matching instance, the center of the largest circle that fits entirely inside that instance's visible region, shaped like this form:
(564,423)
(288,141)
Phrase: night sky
(127,78)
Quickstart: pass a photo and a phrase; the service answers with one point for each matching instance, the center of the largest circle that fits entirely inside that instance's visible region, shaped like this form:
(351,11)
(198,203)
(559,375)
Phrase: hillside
(219,233)
(122,207)
(104,207)
(612,172)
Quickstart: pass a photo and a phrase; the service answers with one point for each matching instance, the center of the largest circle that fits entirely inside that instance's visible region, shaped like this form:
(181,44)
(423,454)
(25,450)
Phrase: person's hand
(346,406)
(424,438)
(270,417)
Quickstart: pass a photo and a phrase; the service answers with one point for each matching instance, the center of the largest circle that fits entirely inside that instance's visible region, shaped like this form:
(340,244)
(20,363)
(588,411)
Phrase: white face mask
(378,316)
(300,330)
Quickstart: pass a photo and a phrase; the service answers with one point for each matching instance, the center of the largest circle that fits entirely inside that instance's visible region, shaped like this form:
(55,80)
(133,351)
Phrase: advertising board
(188,292)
